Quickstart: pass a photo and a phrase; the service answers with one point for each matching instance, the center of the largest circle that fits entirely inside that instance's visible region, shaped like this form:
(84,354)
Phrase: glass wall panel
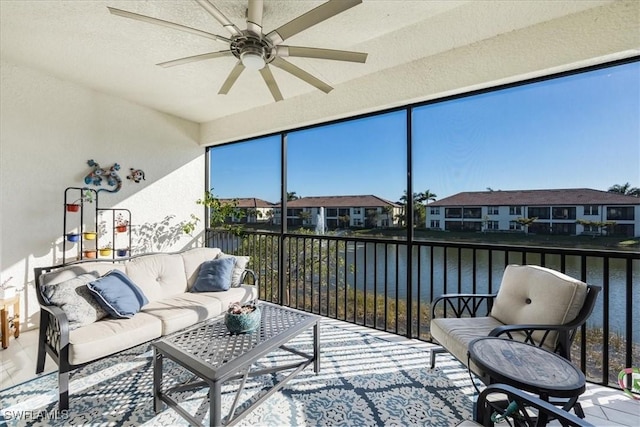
(528,151)
(349,176)
(247,174)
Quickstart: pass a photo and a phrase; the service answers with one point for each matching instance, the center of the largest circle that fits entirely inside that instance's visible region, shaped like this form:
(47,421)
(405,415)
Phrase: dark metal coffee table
(215,356)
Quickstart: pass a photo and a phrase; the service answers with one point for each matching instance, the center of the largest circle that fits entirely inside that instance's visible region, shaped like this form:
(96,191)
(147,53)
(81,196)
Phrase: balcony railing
(373,282)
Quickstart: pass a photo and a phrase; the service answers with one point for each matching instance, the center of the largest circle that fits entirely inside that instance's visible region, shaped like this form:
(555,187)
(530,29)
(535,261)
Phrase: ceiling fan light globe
(252,60)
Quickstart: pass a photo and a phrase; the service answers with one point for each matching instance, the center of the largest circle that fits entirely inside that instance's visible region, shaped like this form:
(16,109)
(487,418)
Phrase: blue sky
(574,132)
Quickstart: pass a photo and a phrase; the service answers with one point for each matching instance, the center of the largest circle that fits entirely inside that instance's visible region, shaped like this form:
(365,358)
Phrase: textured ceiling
(417,50)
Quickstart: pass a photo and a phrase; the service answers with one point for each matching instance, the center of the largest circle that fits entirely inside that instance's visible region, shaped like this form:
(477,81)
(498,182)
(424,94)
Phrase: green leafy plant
(221,213)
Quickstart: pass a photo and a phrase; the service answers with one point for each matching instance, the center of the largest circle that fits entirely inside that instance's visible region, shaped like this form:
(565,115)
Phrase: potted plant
(106,250)
(87,196)
(73,237)
(122,251)
(121,223)
(242,318)
(90,253)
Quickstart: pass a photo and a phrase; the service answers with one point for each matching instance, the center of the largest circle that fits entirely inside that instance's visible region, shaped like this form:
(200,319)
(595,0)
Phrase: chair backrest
(530,294)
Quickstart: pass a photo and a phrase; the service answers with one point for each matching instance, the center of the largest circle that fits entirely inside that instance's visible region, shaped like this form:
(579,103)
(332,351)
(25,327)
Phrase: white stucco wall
(49,128)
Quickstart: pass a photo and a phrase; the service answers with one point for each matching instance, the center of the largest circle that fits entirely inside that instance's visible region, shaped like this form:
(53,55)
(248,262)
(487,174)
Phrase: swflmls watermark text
(37,415)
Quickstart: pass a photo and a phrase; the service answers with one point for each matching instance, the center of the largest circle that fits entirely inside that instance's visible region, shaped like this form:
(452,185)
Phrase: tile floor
(603,406)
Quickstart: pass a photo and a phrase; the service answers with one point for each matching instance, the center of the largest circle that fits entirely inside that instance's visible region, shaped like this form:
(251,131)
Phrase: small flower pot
(73,237)
(89,235)
(105,251)
(90,254)
(122,252)
(73,207)
(121,228)
(243,323)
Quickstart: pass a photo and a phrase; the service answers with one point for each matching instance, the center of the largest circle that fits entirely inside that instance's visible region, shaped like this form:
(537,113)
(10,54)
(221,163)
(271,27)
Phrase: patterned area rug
(364,381)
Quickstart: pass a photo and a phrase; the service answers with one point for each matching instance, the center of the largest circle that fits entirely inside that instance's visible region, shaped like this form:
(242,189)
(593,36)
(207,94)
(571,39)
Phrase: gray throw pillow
(74,298)
(239,267)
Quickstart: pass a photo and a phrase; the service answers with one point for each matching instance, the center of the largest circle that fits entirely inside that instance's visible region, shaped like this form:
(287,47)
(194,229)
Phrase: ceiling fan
(256,50)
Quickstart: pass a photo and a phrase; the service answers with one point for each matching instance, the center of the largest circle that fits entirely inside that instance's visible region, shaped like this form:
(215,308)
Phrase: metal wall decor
(136,175)
(96,176)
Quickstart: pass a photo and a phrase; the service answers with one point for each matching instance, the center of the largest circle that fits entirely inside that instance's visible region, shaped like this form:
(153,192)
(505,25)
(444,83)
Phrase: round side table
(528,368)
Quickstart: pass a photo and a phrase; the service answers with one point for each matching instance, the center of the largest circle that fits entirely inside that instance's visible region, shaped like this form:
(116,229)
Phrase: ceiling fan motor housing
(249,44)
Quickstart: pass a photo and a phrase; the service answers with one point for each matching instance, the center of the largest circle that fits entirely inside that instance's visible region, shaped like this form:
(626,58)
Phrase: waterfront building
(572,211)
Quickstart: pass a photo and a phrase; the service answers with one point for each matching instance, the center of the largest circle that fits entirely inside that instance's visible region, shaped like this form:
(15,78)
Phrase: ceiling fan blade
(233,76)
(219,16)
(254,16)
(312,52)
(195,58)
(267,76)
(311,18)
(144,18)
(301,74)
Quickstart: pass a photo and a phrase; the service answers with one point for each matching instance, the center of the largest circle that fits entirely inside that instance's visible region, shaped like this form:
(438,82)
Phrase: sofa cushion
(74,298)
(193,258)
(159,275)
(214,275)
(187,309)
(239,267)
(118,295)
(530,294)
(110,336)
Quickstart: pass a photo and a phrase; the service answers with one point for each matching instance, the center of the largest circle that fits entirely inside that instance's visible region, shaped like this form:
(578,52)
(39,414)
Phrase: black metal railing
(373,282)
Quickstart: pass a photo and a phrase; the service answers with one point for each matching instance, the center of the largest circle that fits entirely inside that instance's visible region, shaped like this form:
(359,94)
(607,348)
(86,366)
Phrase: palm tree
(625,189)
(425,197)
(292,196)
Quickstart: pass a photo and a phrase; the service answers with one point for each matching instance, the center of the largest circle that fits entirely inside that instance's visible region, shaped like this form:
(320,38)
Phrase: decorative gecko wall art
(96,176)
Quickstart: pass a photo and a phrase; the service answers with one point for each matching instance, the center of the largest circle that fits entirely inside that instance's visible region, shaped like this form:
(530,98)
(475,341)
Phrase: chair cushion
(214,275)
(118,295)
(74,298)
(530,294)
(455,334)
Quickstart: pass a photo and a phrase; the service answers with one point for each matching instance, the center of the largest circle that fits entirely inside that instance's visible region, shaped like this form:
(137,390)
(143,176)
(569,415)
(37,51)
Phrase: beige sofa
(165,279)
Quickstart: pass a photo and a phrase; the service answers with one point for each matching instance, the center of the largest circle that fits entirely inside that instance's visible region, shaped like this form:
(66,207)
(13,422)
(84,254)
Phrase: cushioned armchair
(534,304)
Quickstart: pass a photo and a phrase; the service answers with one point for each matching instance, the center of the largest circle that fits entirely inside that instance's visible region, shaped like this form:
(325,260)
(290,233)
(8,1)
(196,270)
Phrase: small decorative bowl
(243,323)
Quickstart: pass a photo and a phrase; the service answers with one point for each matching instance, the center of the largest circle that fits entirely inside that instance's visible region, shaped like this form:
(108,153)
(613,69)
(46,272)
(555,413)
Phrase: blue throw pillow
(118,295)
(214,275)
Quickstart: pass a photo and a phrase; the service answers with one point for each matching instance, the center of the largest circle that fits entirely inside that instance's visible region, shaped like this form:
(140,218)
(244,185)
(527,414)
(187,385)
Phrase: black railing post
(409,281)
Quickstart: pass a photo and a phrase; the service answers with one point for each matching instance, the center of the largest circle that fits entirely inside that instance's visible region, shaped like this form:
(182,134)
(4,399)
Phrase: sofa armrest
(54,323)
(249,273)
(463,305)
